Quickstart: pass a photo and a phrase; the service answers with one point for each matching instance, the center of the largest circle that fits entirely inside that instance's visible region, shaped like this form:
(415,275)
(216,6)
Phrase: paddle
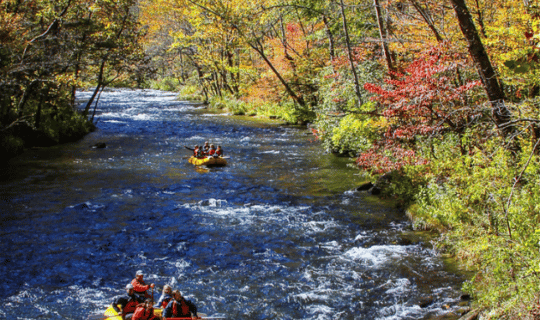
(100,317)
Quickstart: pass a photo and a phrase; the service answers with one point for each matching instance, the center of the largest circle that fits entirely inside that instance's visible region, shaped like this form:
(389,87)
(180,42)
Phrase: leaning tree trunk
(382,33)
(493,88)
(98,86)
(257,46)
(349,52)
(428,19)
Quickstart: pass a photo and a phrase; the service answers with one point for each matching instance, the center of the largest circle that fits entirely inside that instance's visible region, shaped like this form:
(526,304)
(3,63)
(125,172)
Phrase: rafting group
(206,150)
(138,303)
(207,155)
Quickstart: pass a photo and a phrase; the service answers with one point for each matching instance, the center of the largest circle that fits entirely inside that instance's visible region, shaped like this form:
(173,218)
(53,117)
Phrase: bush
(485,204)
(165,84)
(10,146)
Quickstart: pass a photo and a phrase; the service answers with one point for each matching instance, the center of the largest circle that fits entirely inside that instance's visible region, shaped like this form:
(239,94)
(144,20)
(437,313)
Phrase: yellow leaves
(94,7)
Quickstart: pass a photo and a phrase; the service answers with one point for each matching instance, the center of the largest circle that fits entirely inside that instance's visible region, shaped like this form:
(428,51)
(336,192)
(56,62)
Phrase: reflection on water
(274,235)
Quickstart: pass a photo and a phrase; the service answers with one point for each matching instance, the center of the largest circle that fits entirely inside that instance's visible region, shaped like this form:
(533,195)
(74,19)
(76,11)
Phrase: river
(276,234)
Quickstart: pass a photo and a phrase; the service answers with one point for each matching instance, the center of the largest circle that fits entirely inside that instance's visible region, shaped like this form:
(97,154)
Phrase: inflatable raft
(208,161)
(111,314)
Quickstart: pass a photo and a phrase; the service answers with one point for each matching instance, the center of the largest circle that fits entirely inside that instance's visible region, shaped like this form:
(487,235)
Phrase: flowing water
(276,234)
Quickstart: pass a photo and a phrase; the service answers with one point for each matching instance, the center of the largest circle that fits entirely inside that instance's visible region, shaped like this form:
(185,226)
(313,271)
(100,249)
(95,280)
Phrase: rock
(81,206)
(375,191)
(473,315)
(99,145)
(425,302)
(463,311)
(465,297)
(365,187)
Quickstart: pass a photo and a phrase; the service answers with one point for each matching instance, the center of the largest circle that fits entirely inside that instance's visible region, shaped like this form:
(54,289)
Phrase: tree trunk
(480,19)
(29,90)
(349,52)
(382,34)
(331,45)
(234,81)
(258,47)
(427,18)
(98,86)
(493,88)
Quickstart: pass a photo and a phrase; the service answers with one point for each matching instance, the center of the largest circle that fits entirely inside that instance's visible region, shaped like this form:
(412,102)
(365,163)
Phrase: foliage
(166,84)
(49,49)
(486,203)
(427,100)
(403,92)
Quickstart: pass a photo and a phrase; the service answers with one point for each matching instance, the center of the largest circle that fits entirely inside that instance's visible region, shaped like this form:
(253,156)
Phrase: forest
(442,98)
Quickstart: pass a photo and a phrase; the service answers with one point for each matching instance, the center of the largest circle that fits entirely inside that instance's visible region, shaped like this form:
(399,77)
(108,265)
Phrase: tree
(423,102)
(47,51)
(490,81)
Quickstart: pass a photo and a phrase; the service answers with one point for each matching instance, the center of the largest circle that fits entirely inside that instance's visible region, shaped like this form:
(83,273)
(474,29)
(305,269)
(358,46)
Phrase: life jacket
(142,314)
(139,287)
(130,307)
(219,152)
(165,302)
(195,152)
(184,309)
(211,152)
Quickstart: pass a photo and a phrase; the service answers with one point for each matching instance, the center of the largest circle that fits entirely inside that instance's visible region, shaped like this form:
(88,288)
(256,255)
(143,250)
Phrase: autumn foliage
(426,100)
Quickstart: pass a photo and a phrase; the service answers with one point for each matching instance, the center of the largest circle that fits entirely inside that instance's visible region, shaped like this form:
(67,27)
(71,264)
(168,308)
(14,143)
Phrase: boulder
(365,186)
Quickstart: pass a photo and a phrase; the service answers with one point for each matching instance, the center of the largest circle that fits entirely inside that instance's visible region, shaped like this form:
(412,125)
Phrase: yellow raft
(111,314)
(208,161)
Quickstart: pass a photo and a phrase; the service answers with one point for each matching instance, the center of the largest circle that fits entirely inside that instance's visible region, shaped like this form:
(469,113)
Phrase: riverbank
(18,137)
(482,206)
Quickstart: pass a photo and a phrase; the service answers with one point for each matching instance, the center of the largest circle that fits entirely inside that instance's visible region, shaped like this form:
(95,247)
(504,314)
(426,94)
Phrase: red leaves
(423,101)
(384,159)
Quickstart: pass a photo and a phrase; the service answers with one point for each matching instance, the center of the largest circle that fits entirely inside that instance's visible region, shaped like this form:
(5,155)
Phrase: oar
(101,317)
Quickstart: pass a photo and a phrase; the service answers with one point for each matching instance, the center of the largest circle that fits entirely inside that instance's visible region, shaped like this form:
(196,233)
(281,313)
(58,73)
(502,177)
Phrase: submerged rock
(99,145)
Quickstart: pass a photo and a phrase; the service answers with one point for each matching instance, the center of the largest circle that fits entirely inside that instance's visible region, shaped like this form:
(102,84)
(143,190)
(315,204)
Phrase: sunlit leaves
(423,101)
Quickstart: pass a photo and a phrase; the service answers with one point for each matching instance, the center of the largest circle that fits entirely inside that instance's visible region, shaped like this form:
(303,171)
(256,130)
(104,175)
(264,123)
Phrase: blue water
(276,234)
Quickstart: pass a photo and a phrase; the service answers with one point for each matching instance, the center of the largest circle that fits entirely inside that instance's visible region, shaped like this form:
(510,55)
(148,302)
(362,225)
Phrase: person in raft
(212,151)
(219,151)
(206,148)
(127,303)
(180,307)
(139,286)
(144,311)
(195,150)
(166,297)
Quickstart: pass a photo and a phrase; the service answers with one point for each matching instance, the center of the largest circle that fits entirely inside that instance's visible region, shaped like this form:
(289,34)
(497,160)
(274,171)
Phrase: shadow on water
(276,234)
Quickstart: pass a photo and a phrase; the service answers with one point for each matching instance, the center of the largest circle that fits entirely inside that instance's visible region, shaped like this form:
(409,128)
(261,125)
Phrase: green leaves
(520,66)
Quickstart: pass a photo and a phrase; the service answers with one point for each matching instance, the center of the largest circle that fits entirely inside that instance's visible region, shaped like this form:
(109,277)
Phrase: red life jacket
(219,152)
(211,152)
(184,309)
(142,314)
(195,152)
(130,307)
(165,302)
